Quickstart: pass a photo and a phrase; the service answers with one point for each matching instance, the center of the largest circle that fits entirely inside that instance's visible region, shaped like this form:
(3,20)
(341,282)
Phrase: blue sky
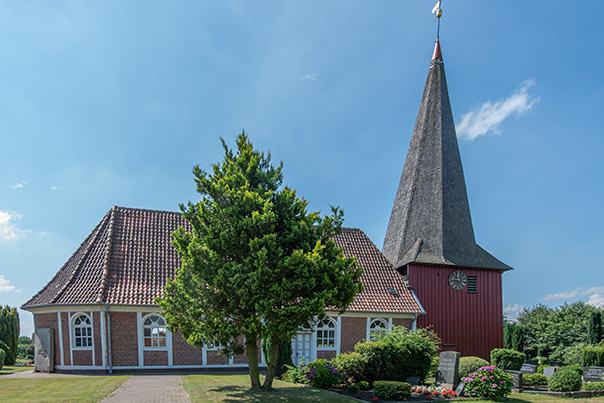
(112,103)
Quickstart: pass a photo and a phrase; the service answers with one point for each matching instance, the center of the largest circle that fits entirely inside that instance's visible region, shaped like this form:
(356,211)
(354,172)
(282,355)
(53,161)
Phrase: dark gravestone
(447,374)
(44,350)
(528,369)
(593,374)
(516,379)
(549,371)
(412,380)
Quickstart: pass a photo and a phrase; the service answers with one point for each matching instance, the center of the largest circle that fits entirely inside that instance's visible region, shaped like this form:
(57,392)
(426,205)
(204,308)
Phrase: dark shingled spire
(430,221)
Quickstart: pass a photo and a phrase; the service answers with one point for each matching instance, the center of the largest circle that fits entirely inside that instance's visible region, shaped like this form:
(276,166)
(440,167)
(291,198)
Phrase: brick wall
(353,331)
(98,342)
(183,353)
(82,357)
(151,358)
(402,322)
(124,339)
(215,359)
(49,320)
(326,355)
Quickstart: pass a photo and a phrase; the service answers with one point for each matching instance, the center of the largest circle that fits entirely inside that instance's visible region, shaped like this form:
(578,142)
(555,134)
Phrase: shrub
(391,390)
(398,353)
(354,388)
(576,368)
(593,357)
(507,359)
(489,382)
(534,380)
(433,367)
(364,385)
(321,374)
(565,380)
(296,374)
(593,386)
(2,356)
(467,365)
(351,366)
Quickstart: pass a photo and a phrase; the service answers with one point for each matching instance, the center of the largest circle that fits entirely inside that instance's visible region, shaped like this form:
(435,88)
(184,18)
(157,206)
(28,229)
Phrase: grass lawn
(76,389)
(236,388)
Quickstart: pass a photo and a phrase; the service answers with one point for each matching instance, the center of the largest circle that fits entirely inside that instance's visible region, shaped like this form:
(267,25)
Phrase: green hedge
(534,380)
(593,386)
(391,390)
(593,357)
(468,365)
(565,380)
(507,359)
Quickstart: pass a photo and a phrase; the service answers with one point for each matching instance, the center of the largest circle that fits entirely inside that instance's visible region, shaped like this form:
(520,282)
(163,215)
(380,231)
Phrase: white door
(301,347)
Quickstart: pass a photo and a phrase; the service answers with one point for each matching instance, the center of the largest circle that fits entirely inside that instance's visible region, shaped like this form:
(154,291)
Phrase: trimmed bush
(565,380)
(593,386)
(351,366)
(398,354)
(489,382)
(534,380)
(576,368)
(321,374)
(507,359)
(296,374)
(2,356)
(391,390)
(467,365)
(364,385)
(354,388)
(593,357)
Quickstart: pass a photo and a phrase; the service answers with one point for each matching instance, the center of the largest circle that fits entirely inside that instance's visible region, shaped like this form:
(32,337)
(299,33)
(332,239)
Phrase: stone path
(150,388)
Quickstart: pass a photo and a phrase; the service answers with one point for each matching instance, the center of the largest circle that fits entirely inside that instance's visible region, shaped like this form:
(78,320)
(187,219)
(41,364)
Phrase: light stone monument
(44,350)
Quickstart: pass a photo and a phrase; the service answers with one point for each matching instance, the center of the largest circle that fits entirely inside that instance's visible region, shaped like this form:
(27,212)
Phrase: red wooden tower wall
(469,323)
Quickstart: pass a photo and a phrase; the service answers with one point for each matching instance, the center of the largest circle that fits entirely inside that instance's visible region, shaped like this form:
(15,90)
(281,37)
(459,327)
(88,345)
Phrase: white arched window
(376,327)
(326,333)
(154,331)
(81,326)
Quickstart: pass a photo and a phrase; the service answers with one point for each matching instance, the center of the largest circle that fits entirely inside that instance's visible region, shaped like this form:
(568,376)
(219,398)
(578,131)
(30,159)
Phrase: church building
(98,313)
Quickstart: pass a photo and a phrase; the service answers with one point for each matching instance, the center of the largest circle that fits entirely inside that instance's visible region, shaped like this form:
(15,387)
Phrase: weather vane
(439,13)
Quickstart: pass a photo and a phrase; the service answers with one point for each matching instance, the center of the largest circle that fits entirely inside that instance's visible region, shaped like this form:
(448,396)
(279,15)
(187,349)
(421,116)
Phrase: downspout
(414,322)
(108,336)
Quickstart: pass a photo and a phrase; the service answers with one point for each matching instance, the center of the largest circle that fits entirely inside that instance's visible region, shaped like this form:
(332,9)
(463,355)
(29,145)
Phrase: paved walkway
(150,388)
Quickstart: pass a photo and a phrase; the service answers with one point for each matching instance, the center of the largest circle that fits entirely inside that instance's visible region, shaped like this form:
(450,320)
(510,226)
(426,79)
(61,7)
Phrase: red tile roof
(128,257)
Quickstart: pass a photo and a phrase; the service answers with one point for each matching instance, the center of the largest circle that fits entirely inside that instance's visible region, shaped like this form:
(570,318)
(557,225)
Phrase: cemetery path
(150,388)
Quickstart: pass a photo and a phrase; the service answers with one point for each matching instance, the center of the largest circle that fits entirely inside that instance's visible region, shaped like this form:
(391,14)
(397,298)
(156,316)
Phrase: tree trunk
(272,364)
(251,350)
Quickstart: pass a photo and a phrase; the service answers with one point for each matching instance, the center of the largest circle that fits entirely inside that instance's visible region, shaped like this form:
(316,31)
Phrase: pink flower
(494,385)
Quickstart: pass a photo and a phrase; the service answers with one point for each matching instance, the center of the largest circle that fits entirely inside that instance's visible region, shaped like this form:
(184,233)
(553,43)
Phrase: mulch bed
(367,395)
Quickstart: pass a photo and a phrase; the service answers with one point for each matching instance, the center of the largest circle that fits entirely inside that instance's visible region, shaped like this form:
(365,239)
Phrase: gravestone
(593,374)
(516,379)
(528,369)
(447,374)
(412,380)
(549,371)
(460,388)
(44,350)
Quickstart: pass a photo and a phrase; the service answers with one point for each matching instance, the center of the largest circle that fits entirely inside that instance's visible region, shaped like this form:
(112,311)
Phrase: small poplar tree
(9,333)
(256,264)
(594,332)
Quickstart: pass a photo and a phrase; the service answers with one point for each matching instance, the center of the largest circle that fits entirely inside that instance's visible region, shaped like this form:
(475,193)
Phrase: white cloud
(511,311)
(18,185)
(594,295)
(488,117)
(8,230)
(53,188)
(5,285)
(311,75)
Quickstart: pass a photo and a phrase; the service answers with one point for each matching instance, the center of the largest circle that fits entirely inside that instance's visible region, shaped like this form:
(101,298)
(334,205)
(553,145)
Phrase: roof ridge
(84,255)
(149,210)
(102,289)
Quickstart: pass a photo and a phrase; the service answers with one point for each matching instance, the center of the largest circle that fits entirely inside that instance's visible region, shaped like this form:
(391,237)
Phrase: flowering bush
(321,374)
(489,382)
(433,391)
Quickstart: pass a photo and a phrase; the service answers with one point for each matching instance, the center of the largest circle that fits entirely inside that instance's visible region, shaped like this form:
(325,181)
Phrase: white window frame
(72,330)
(142,330)
(387,325)
(336,335)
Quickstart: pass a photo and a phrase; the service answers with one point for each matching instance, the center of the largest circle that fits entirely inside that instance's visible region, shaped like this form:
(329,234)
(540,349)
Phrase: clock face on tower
(458,280)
